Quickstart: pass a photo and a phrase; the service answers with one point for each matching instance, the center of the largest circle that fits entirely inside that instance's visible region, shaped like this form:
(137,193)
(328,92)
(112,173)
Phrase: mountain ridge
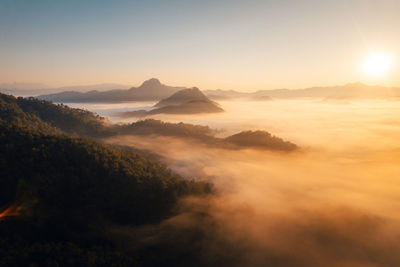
(149,90)
(153,90)
(350,90)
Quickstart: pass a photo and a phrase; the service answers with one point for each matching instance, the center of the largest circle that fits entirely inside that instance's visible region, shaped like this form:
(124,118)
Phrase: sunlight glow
(377,64)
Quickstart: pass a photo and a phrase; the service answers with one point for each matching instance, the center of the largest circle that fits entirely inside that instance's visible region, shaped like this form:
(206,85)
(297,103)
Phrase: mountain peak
(153,82)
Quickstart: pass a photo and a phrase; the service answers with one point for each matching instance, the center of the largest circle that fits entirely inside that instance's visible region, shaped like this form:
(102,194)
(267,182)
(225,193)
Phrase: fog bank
(333,203)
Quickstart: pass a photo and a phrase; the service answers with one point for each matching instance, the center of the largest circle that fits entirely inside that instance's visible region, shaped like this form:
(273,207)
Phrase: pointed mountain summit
(152,89)
(151,83)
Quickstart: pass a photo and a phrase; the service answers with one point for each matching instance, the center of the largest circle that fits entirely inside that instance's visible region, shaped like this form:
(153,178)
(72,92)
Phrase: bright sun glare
(377,64)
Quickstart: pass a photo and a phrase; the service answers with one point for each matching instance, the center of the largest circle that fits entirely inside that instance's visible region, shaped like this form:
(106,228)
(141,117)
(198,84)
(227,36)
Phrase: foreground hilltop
(150,90)
(61,195)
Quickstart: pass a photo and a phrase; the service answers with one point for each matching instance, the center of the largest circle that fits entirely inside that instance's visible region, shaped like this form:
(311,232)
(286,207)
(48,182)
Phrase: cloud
(333,203)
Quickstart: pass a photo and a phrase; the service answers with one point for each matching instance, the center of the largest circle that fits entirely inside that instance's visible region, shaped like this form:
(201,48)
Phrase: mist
(334,202)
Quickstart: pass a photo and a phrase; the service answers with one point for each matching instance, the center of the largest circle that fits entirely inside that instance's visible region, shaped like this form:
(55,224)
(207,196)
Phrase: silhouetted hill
(150,90)
(260,140)
(181,97)
(157,127)
(190,107)
(186,101)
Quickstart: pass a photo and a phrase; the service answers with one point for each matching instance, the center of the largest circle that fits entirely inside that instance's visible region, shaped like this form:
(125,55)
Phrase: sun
(377,64)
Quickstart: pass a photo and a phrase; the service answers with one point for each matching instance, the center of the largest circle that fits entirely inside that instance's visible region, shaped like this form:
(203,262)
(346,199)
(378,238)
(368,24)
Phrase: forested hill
(34,112)
(58,193)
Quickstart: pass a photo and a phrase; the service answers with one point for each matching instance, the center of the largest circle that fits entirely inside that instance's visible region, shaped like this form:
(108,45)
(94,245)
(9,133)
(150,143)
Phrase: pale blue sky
(242,45)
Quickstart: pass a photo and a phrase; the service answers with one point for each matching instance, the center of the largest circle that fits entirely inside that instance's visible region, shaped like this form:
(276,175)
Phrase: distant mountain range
(185,101)
(154,90)
(150,90)
(24,86)
(34,89)
(348,91)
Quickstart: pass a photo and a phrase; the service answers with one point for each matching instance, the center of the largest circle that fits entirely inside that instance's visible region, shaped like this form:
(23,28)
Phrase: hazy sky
(242,45)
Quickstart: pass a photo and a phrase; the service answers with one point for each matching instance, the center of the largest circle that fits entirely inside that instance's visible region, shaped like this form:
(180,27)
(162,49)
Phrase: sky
(238,44)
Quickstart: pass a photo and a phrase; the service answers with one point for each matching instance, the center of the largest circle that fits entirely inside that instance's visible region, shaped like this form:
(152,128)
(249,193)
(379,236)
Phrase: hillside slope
(67,191)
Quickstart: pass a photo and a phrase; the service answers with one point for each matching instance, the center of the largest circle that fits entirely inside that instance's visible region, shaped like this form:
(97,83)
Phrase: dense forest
(59,190)
(65,195)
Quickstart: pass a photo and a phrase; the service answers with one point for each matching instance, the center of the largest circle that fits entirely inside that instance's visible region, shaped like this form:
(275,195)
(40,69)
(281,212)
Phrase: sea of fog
(335,202)
(309,123)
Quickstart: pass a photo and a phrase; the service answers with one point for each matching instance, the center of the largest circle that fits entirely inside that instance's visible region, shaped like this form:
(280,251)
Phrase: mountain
(190,107)
(153,90)
(348,91)
(23,86)
(100,87)
(185,101)
(150,90)
(22,89)
(183,96)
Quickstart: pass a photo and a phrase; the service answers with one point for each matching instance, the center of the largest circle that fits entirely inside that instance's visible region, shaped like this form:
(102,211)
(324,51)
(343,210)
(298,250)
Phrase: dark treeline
(157,127)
